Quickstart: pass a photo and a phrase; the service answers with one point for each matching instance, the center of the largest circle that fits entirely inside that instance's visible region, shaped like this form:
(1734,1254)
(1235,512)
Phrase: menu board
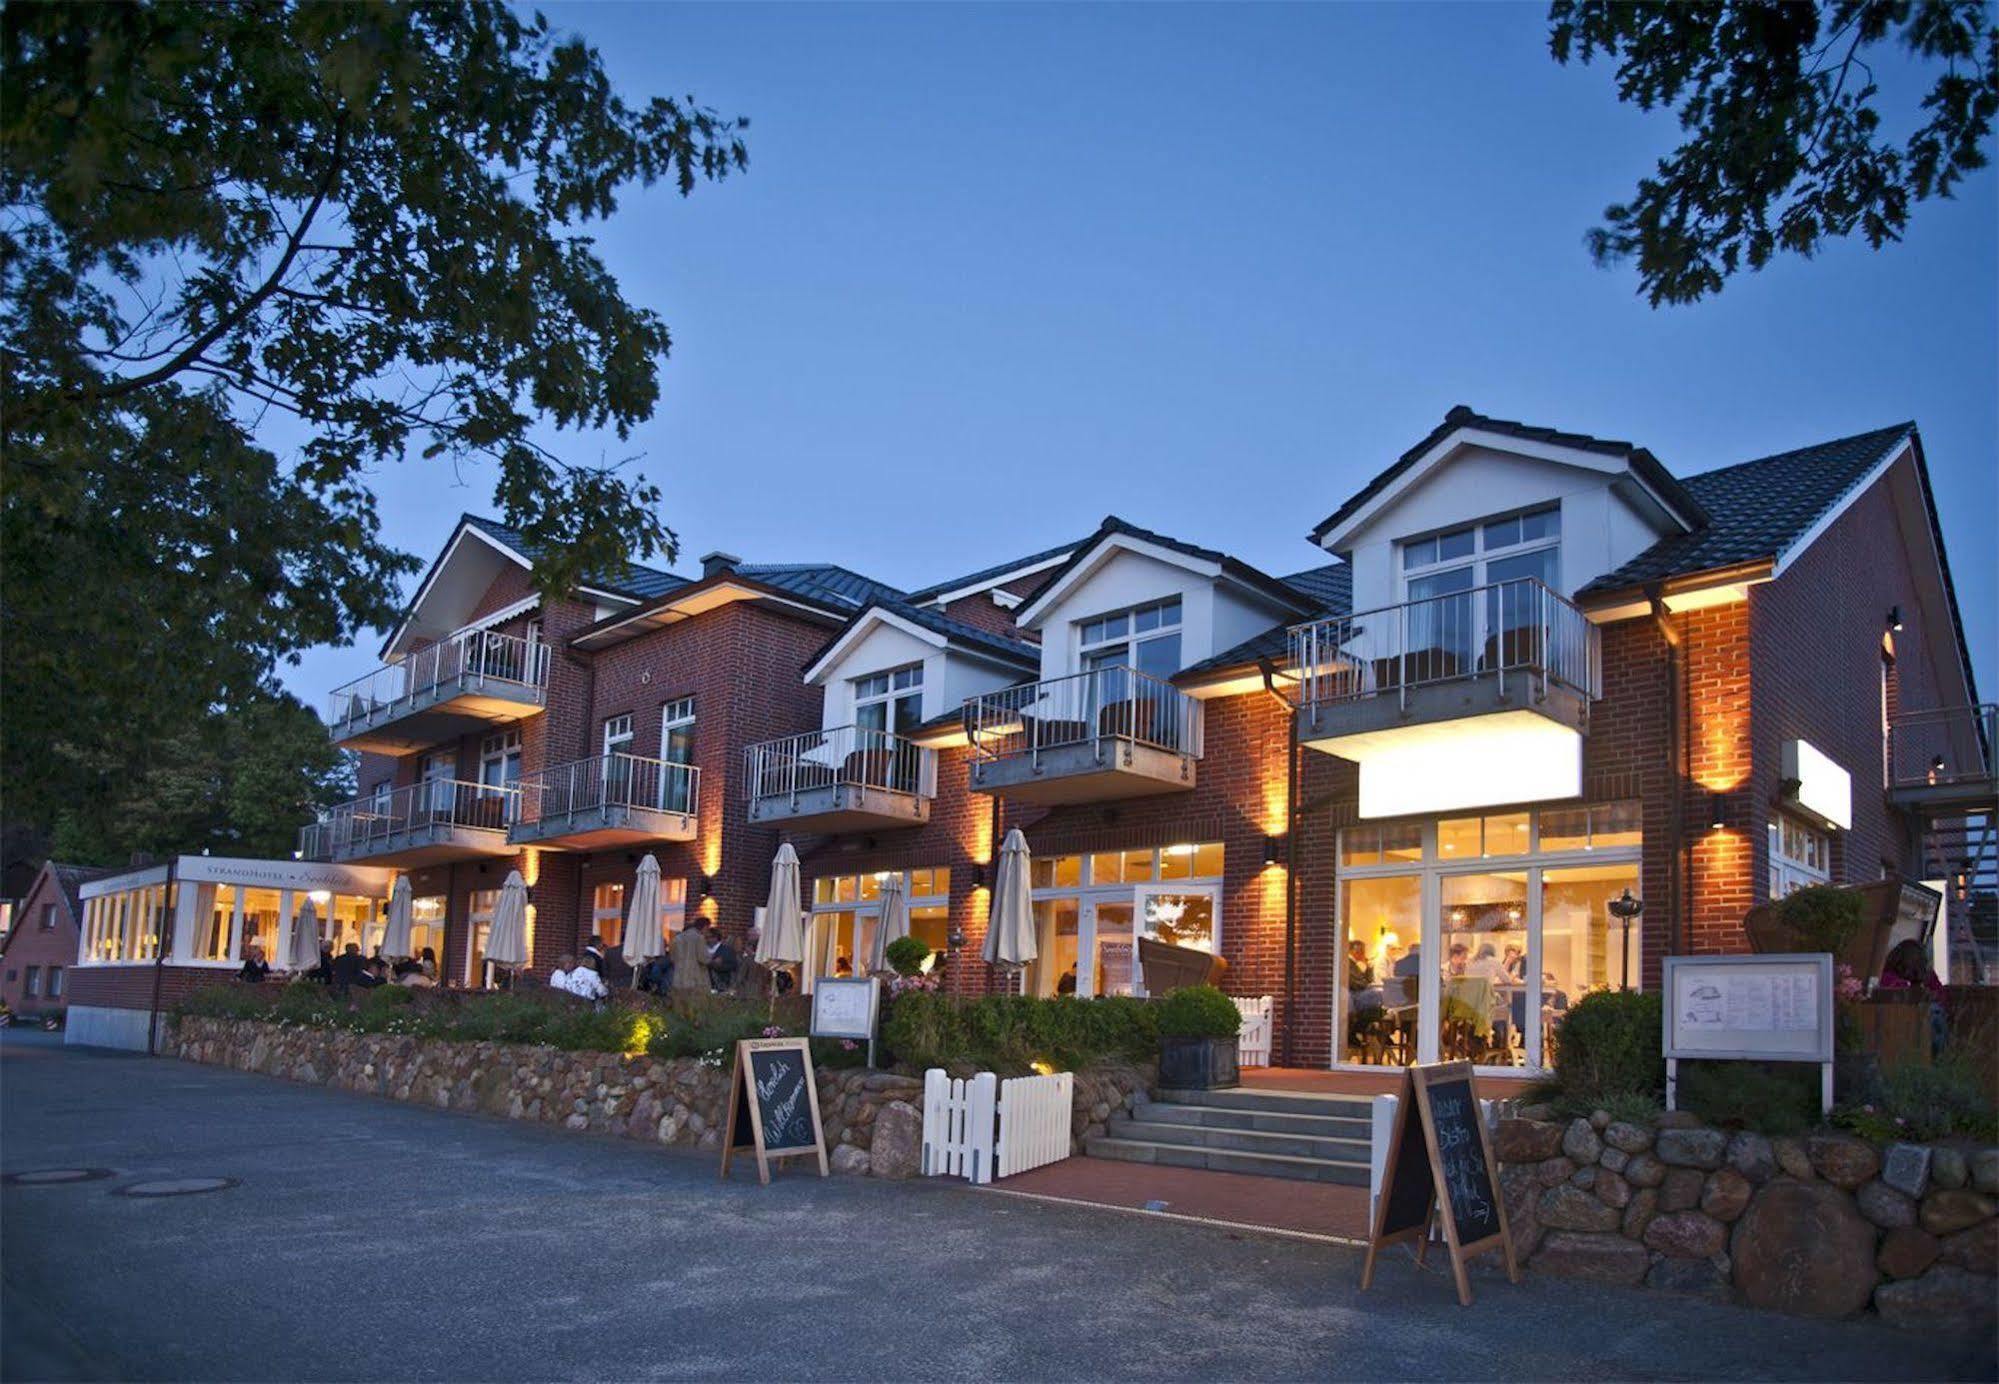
(1448,1168)
(774,1104)
(844,1008)
(1776,1007)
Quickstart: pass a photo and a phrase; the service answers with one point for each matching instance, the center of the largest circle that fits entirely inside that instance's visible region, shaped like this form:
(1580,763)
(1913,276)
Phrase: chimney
(715,563)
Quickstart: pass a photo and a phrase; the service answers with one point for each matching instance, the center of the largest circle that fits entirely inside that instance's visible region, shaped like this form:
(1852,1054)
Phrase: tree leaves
(1784,147)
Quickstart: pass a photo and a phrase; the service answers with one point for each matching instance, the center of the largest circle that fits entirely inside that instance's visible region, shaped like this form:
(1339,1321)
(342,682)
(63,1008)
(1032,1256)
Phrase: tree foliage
(1784,144)
(356,228)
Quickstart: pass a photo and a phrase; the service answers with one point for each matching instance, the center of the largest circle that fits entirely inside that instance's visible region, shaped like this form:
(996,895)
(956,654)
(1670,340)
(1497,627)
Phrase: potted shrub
(1198,1027)
(905,956)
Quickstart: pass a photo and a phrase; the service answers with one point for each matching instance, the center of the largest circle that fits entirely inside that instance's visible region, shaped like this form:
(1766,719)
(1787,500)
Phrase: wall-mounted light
(707,886)
(1717,811)
(979,874)
(1273,850)
(1936,768)
(1895,618)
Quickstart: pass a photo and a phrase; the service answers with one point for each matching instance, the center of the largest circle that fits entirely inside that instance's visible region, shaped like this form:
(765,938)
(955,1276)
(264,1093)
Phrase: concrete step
(1327,1149)
(1277,1165)
(1341,1126)
(1271,1102)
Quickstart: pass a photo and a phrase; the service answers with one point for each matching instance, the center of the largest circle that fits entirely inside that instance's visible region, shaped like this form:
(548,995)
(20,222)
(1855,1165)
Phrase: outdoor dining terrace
(441,691)
(608,800)
(422,824)
(843,779)
(1110,732)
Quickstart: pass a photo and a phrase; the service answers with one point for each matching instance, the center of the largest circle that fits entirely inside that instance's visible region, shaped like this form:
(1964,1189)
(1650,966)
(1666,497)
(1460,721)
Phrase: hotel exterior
(1522,674)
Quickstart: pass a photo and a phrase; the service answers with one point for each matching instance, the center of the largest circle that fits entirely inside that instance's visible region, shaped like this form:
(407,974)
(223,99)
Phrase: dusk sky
(995,272)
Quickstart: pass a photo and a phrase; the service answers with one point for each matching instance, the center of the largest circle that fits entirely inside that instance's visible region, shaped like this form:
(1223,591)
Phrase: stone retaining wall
(873,1120)
(1826,1225)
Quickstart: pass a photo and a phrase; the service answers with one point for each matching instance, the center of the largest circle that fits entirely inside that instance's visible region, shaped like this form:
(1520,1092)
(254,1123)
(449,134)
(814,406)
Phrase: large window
(891,701)
(1469,938)
(1799,855)
(676,746)
(1447,625)
(1144,637)
(846,912)
(499,763)
(618,734)
(1091,912)
(126,926)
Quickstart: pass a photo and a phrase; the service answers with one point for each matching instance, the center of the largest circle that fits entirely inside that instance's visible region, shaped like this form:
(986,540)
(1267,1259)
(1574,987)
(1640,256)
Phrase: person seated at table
(255,968)
(843,967)
(348,969)
(1360,971)
(1486,964)
(1410,965)
(1514,963)
(1460,958)
(1066,983)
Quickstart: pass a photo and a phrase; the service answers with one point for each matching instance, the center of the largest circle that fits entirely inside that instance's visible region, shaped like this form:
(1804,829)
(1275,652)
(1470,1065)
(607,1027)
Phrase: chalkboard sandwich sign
(774,1104)
(1446,1172)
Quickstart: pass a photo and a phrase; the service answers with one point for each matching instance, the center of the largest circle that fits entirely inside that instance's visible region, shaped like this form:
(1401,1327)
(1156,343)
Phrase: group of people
(1485,999)
(699,959)
(350,970)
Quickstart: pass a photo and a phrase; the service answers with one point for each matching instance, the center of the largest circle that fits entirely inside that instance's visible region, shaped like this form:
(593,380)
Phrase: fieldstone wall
(1826,1225)
(873,1120)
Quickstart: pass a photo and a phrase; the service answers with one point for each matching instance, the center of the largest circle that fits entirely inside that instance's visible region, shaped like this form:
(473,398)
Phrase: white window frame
(1482,552)
(890,689)
(618,734)
(677,714)
(1789,870)
(1131,637)
(1088,894)
(819,920)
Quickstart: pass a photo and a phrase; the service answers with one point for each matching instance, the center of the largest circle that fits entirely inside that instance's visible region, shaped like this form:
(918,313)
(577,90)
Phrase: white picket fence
(1253,1044)
(986,1128)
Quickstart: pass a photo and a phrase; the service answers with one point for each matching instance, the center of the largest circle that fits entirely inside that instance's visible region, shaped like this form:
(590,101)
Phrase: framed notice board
(1441,1168)
(845,1008)
(1763,1007)
(774,1104)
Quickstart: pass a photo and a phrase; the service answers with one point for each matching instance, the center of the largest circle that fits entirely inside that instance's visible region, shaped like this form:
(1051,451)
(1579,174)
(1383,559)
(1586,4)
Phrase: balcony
(609,800)
(1109,733)
(440,692)
(424,824)
(847,779)
(1941,760)
(1468,699)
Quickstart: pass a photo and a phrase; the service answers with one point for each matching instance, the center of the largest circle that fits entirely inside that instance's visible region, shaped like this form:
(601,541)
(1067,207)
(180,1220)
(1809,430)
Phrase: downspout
(1678,767)
(169,901)
(1269,671)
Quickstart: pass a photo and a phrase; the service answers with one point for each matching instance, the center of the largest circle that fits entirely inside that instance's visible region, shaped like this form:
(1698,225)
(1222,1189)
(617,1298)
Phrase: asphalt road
(369,1240)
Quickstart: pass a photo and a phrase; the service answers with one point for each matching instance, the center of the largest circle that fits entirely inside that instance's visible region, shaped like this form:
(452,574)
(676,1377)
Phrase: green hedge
(1009,1033)
(1611,1045)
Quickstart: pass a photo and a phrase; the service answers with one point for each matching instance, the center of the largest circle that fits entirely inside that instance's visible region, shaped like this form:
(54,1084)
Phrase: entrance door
(1113,956)
(1486,981)
(1183,916)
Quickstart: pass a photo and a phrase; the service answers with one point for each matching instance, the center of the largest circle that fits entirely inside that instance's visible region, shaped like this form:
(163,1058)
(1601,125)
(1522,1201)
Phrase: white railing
(379,818)
(1943,747)
(611,780)
(1509,630)
(983,1128)
(846,756)
(502,662)
(1084,709)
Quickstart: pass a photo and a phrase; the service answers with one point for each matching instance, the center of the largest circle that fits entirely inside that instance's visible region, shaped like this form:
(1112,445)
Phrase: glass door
(1486,981)
(1188,915)
(1113,955)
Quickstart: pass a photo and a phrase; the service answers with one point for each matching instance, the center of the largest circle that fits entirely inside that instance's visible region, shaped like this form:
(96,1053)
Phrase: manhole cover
(177,1186)
(55,1177)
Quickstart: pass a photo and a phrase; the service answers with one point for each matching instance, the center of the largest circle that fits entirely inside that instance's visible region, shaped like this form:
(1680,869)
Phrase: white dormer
(893,670)
(1149,602)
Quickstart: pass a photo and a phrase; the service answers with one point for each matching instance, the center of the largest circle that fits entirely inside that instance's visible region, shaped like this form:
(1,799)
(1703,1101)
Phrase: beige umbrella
(507,939)
(894,922)
(1010,922)
(783,940)
(396,937)
(302,947)
(642,939)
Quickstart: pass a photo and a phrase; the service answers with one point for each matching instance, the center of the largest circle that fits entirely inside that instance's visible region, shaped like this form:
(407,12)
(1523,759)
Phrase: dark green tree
(1784,144)
(363,226)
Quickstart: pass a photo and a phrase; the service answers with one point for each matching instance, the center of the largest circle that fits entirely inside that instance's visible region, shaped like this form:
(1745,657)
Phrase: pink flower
(773,1031)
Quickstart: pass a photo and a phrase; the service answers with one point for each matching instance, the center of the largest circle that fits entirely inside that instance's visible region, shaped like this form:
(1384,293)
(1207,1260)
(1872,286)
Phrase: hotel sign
(1817,786)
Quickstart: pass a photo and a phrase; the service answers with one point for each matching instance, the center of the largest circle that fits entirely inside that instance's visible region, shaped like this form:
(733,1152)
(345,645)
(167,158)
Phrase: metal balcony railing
(1514,629)
(505,664)
(1081,709)
(381,818)
(608,781)
(846,756)
(1943,747)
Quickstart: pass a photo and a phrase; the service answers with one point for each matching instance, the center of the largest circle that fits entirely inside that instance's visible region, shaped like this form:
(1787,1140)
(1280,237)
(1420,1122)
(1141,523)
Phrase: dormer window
(1144,637)
(1527,544)
(891,701)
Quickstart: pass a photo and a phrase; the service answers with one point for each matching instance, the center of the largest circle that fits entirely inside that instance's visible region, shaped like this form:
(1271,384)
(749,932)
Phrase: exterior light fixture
(1179,850)
(979,874)
(955,938)
(1895,618)
(1273,849)
(1936,768)
(707,886)
(1717,811)
(1626,910)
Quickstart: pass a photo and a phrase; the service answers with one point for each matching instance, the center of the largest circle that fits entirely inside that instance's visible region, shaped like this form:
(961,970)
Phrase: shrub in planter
(1823,917)
(906,955)
(1610,1045)
(1198,1027)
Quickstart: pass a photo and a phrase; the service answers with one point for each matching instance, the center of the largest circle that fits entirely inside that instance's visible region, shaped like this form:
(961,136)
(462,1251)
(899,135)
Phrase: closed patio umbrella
(642,939)
(783,940)
(1010,924)
(894,922)
(507,939)
(302,947)
(396,937)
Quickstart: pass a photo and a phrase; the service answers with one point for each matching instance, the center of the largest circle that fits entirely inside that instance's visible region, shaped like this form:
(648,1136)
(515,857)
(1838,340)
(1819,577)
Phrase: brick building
(38,952)
(1526,673)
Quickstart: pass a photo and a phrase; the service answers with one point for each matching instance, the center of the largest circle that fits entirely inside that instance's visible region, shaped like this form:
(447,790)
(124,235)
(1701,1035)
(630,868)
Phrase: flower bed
(1826,1225)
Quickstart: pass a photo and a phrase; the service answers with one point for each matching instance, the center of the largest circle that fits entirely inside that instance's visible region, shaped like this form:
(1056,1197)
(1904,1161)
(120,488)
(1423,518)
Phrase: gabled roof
(1759,509)
(67,879)
(821,581)
(955,633)
(1331,589)
(632,580)
(1113,527)
(996,574)
(1646,466)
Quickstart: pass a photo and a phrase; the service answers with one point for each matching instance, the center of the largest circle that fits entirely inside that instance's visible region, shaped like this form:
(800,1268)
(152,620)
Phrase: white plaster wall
(883,647)
(1129,579)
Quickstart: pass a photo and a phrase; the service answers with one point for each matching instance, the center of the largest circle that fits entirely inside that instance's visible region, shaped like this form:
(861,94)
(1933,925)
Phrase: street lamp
(1626,909)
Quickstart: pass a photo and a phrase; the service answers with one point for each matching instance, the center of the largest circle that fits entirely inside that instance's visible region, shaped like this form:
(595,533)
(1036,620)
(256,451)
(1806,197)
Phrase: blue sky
(996,271)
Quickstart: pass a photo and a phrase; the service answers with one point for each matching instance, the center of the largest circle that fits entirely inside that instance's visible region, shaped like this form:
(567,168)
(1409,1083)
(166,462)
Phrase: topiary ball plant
(1199,1011)
(906,955)
(1823,917)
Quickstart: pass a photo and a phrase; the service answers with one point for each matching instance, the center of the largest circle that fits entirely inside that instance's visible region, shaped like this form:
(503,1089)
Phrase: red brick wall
(30,945)
(131,986)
